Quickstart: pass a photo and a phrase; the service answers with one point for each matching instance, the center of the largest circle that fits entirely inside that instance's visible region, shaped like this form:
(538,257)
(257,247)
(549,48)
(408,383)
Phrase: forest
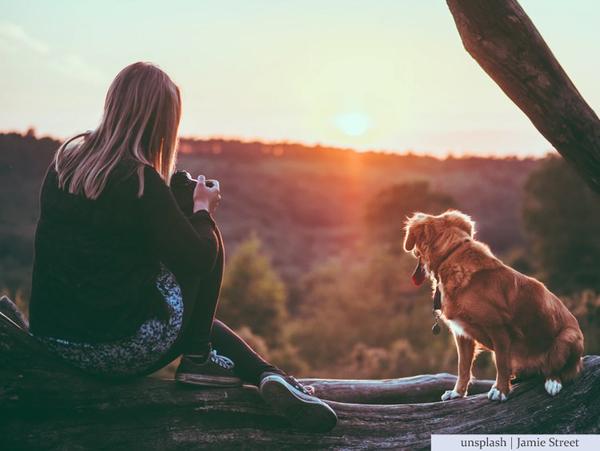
(316,277)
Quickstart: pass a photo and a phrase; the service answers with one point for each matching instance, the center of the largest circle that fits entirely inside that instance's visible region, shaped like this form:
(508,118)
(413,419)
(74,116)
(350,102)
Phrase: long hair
(139,124)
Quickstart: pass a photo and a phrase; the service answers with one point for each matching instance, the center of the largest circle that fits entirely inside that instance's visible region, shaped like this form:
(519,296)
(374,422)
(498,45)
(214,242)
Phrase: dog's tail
(564,356)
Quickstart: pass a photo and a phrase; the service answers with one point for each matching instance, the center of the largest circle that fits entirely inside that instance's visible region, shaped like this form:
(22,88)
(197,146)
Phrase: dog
(489,306)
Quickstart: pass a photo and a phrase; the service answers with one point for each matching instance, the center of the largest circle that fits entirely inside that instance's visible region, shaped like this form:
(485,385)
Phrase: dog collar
(437,295)
(450,252)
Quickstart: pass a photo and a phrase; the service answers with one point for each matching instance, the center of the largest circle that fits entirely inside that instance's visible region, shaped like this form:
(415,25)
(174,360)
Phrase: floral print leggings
(133,355)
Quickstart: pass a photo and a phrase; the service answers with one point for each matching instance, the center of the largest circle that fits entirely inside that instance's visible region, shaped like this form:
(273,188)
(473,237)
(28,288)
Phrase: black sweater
(96,261)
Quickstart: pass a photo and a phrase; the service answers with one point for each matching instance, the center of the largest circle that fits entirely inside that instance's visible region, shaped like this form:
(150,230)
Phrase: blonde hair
(139,124)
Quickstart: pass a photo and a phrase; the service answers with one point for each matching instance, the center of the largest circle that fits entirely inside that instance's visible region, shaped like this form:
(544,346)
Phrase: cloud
(11,34)
(73,66)
(14,38)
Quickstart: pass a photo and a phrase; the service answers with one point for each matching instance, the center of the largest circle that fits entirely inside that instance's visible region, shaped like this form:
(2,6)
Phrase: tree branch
(499,35)
(45,404)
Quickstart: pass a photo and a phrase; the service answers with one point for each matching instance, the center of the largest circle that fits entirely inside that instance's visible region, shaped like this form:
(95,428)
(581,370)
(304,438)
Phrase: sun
(353,123)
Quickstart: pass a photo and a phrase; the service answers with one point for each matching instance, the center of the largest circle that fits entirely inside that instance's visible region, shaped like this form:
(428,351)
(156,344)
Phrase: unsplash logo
(486,442)
(516,442)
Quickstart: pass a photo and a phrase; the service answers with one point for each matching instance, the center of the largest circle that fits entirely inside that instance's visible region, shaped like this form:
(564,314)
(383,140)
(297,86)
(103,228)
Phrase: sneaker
(214,371)
(291,399)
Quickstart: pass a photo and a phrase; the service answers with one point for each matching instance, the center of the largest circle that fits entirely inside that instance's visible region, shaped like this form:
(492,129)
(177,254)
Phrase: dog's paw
(452,394)
(553,386)
(496,395)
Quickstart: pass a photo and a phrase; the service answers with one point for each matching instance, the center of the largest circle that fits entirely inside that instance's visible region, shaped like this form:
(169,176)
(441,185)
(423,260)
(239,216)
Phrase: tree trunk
(47,405)
(499,35)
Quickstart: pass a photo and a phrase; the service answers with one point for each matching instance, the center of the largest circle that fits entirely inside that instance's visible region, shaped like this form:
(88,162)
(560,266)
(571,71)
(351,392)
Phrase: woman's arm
(188,246)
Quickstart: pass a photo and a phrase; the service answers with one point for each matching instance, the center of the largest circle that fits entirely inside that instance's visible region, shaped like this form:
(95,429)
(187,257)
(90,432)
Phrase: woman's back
(93,270)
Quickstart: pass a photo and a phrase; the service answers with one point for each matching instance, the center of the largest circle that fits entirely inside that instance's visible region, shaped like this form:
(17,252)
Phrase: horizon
(368,77)
(315,147)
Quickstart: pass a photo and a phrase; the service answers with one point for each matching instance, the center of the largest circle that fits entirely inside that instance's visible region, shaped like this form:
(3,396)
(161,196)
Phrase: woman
(125,279)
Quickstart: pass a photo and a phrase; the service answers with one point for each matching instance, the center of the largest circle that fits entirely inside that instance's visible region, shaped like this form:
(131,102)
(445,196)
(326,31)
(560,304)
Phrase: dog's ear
(410,228)
(409,239)
(460,220)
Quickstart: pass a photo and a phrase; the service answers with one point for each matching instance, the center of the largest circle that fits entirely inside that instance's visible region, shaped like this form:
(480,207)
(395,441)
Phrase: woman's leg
(204,332)
(201,332)
(197,330)
(249,365)
(193,334)
(199,314)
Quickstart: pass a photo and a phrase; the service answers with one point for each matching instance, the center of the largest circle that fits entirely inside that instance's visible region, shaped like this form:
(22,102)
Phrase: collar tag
(437,311)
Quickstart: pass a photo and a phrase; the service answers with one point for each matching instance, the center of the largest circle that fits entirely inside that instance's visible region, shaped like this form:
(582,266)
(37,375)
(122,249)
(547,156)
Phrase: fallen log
(503,40)
(45,404)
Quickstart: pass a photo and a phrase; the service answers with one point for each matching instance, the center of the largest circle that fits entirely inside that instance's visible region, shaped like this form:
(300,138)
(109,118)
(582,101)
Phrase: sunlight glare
(352,124)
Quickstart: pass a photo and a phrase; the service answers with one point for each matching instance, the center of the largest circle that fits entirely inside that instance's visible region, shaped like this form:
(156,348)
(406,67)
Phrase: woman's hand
(206,197)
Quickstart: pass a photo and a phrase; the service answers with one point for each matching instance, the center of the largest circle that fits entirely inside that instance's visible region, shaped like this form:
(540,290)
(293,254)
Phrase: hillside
(309,203)
(306,203)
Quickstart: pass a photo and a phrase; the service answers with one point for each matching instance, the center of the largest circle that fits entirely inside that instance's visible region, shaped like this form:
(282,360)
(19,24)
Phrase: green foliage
(253,301)
(253,295)
(389,209)
(562,219)
(365,319)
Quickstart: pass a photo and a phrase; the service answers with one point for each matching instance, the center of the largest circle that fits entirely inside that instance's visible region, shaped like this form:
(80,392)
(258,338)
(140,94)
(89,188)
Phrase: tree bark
(499,35)
(47,405)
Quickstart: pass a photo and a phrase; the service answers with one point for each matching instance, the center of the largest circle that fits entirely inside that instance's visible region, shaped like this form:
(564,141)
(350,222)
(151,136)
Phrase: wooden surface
(499,35)
(46,405)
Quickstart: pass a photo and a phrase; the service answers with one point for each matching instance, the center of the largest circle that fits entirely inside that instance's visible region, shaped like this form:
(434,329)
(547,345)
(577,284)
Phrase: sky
(380,75)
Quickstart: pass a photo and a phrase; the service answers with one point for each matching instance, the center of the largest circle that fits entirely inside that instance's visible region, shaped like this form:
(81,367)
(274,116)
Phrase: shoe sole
(208,381)
(305,412)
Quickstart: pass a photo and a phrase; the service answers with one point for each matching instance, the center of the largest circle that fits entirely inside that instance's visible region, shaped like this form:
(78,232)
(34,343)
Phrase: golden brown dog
(488,305)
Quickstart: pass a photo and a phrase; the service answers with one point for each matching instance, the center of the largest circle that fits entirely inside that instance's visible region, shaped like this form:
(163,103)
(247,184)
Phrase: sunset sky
(388,74)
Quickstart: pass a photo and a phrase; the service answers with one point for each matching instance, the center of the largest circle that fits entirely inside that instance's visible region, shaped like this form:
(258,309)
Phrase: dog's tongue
(419,275)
